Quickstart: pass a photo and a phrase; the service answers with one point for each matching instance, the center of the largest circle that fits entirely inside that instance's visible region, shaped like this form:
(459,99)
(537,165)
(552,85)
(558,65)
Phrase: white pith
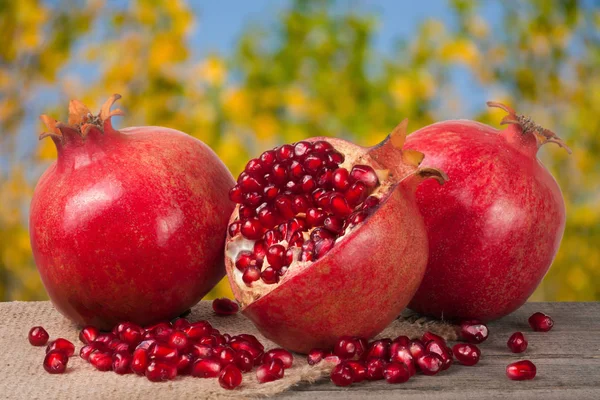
(248,294)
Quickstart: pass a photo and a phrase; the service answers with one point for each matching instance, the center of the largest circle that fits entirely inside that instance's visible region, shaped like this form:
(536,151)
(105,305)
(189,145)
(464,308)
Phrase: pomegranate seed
(359,370)
(379,349)
(473,331)
(56,362)
(416,348)
(540,322)
(312,164)
(250,184)
(260,251)
(181,324)
(356,193)
(293,187)
(38,336)
(301,149)
(402,341)
(270,372)
(234,228)
(285,152)
(178,340)
(86,350)
(272,237)
(270,193)
(315,217)
(269,275)
(198,329)
(246,211)
(268,158)
(322,247)
(236,194)
(210,341)
(101,361)
(63,345)
(334,224)
(279,174)
(276,256)
(105,338)
(285,206)
(140,361)
(325,178)
(365,174)
(184,364)
(442,351)
(296,240)
(206,368)
(226,356)
(335,158)
(252,274)
(375,369)
(121,362)
(255,168)
(401,354)
(88,334)
(315,356)
(517,343)
(244,260)
(339,205)
(345,348)
(396,373)
(521,370)
(428,336)
(430,363)
(466,354)
(250,339)
(243,360)
(295,171)
(362,345)
(342,375)
(339,180)
(357,217)
(201,350)
(159,372)
(308,184)
(162,352)
(225,306)
(322,146)
(300,204)
(230,377)
(282,355)
(251,229)
(131,334)
(370,202)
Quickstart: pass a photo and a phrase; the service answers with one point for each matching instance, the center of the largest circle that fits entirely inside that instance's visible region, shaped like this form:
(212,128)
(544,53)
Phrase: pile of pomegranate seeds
(295,201)
(163,351)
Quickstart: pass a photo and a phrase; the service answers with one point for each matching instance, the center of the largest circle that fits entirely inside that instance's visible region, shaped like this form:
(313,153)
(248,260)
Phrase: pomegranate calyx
(81,121)
(528,126)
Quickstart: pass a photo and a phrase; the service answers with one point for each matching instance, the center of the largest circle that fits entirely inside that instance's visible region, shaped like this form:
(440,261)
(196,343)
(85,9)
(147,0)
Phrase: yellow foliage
(213,71)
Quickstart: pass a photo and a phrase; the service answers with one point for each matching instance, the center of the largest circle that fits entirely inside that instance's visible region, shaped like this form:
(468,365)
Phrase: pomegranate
(281,354)
(375,369)
(315,356)
(230,377)
(160,372)
(521,370)
(225,306)
(127,225)
(466,354)
(517,342)
(63,345)
(473,331)
(359,370)
(56,362)
(88,334)
(495,228)
(540,322)
(430,363)
(331,236)
(38,336)
(342,375)
(270,372)
(396,373)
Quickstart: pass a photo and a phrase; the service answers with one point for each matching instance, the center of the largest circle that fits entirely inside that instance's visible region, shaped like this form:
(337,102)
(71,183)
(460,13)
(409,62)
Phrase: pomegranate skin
(496,225)
(359,286)
(129,225)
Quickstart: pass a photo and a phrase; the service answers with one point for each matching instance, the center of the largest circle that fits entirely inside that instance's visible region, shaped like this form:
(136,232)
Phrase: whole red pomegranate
(495,228)
(326,239)
(130,224)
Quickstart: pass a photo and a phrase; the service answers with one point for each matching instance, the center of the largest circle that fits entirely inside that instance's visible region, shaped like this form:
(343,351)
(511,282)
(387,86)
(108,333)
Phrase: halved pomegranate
(326,239)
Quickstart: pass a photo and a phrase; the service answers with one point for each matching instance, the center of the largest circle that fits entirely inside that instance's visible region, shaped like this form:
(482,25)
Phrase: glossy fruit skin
(517,342)
(496,225)
(55,362)
(521,370)
(540,322)
(119,209)
(466,354)
(38,336)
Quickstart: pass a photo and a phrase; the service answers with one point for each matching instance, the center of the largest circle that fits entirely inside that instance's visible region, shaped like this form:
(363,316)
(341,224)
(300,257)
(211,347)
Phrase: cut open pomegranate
(319,225)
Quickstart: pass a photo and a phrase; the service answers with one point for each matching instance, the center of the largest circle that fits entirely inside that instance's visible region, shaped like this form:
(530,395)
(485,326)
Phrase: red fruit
(181,324)
(517,343)
(540,322)
(225,356)
(162,352)
(206,368)
(430,363)
(270,372)
(230,377)
(345,348)
(416,348)
(184,364)
(359,370)
(86,350)
(63,345)
(328,289)
(225,306)
(56,362)
(202,351)
(401,341)
(140,361)
(38,336)
(521,370)
(282,355)
(88,334)
(396,373)
(375,369)
(101,360)
(121,362)
(495,228)
(178,340)
(466,354)
(159,372)
(401,354)
(244,361)
(342,375)
(441,350)
(198,329)
(315,356)
(428,336)
(473,331)
(132,205)
(379,349)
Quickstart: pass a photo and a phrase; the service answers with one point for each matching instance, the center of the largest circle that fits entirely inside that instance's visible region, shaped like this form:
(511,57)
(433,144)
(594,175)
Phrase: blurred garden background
(243,76)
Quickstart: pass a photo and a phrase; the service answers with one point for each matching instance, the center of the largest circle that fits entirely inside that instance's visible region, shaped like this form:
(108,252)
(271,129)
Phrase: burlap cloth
(23,377)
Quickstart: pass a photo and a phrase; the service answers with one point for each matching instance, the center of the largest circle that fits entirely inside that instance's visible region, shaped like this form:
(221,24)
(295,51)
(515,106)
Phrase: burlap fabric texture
(23,376)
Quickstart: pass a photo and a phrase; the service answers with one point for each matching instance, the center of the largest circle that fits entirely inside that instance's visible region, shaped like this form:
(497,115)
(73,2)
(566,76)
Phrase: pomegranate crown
(527,125)
(81,120)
